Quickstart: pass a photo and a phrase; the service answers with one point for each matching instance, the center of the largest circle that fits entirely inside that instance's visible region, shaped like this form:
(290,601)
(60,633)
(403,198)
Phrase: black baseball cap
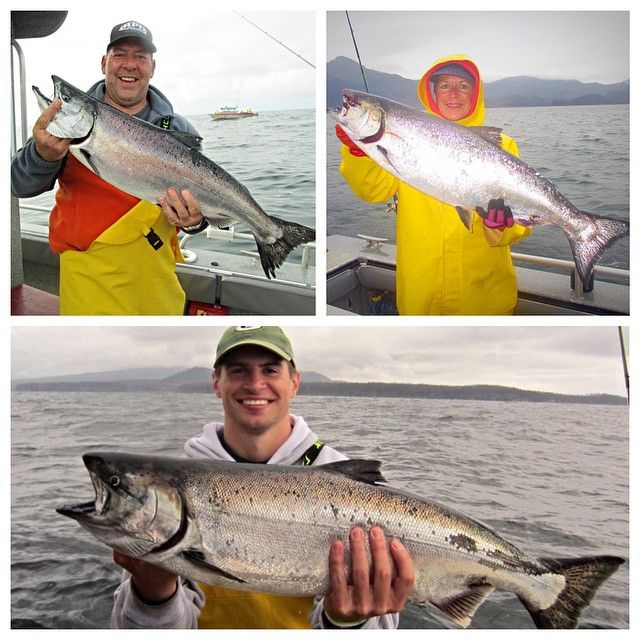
(132,29)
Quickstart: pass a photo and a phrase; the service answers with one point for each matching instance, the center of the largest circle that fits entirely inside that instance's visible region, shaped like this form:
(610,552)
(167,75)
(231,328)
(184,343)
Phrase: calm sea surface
(550,478)
(272,154)
(583,150)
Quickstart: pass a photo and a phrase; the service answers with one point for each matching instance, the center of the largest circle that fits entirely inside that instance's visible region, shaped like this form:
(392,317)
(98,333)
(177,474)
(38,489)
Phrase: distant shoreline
(338,389)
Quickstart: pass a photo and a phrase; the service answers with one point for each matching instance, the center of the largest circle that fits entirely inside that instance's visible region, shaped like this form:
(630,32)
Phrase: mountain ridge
(514,91)
(198,380)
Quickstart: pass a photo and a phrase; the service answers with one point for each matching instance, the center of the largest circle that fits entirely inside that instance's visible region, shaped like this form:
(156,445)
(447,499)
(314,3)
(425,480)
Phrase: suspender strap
(310,455)
(154,239)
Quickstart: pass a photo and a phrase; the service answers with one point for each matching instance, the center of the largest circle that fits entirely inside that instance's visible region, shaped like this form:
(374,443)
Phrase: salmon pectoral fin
(199,558)
(462,606)
(466,216)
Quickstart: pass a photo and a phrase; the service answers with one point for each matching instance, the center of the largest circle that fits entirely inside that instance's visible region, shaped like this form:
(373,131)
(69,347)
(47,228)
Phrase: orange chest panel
(86,206)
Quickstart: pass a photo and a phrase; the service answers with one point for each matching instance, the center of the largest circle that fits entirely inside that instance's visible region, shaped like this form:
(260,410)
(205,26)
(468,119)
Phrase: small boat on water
(232,113)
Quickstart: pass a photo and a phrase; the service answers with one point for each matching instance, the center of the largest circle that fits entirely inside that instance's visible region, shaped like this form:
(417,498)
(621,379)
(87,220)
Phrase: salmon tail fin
(272,255)
(598,233)
(582,576)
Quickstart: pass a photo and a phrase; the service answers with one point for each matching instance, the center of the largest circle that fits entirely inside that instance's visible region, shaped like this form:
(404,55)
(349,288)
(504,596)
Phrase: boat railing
(230,235)
(611,273)
(18,140)
(212,233)
(378,250)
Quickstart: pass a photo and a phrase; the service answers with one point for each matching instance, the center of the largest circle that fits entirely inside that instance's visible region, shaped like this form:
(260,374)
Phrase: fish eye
(114,481)
(352,102)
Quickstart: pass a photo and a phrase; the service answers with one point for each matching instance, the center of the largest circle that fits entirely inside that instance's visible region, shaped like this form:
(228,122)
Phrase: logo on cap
(246,327)
(133,26)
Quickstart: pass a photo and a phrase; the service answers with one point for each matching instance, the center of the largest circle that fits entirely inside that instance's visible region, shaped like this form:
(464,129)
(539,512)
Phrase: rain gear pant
(117,252)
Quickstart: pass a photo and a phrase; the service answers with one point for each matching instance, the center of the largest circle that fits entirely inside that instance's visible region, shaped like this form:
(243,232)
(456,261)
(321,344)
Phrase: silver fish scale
(274,529)
(122,149)
(458,166)
(119,147)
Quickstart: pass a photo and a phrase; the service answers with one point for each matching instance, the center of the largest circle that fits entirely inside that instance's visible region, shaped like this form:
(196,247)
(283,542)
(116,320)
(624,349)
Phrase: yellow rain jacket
(442,268)
(117,253)
(235,609)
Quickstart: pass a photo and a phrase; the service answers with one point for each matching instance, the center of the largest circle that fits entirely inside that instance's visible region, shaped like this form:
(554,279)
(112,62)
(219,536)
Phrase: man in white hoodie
(256,379)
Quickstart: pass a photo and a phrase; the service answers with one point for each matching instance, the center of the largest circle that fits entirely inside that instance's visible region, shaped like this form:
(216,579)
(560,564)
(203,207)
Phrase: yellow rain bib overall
(117,252)
(235,609)
(121,273)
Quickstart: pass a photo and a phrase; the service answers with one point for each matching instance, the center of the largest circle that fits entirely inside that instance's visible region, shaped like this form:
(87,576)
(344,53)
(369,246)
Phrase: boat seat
(28,301)
(377,278)
(338,311)
(342,284)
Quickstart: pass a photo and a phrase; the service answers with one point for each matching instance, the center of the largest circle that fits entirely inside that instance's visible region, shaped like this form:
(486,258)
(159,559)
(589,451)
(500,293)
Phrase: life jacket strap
(310,455)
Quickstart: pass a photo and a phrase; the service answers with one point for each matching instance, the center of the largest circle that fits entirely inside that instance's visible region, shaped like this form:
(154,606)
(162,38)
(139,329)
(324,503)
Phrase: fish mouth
(92,509)
(371,115)
(348,101)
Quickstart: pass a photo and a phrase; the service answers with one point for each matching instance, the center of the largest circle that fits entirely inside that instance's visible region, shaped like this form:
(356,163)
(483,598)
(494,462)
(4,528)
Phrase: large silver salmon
(466,167)
(268,528)
(144,160)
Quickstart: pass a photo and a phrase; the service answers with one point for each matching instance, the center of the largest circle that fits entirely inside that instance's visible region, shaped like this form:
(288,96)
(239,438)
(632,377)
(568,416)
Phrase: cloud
(562,359)
(580,45)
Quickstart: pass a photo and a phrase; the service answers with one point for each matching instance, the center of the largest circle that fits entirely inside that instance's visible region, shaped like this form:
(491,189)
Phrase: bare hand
(373,590)
(180,208)
(49,147)
(152,583)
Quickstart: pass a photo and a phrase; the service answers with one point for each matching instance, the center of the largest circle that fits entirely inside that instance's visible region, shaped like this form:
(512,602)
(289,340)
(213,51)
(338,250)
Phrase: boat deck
(361,281)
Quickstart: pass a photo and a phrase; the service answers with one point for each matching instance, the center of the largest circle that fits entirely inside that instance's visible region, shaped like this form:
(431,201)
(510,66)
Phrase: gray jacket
(31,175)
(183,610)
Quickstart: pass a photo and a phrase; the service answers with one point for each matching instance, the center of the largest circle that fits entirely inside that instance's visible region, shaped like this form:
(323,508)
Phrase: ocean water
(550,478)
(272,154)
(583,150)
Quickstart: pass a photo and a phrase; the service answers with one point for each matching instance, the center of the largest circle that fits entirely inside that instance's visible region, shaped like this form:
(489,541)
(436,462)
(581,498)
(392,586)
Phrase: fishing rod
(278,41)
(623,349)
(355,45)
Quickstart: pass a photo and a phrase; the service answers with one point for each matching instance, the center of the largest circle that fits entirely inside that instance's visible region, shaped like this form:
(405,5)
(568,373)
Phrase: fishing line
(278,41)
(355,46)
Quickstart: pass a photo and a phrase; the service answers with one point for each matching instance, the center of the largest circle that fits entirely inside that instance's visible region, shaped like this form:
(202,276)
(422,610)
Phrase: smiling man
(128,67)
(117,252)
(256,378)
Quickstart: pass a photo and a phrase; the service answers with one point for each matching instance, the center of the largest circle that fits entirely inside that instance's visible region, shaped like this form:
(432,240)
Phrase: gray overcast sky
(590,46)
(559,359)
(205,58)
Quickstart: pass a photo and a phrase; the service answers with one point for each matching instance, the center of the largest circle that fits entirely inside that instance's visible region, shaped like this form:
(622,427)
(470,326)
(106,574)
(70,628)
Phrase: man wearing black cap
(256,378)
(127,82)
(93,224)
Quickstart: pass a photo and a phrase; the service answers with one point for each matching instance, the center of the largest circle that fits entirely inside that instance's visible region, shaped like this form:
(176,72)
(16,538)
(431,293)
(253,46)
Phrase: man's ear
(214,384)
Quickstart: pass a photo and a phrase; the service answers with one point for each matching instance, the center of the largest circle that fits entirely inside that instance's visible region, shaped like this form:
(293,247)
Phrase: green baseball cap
(271,338)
